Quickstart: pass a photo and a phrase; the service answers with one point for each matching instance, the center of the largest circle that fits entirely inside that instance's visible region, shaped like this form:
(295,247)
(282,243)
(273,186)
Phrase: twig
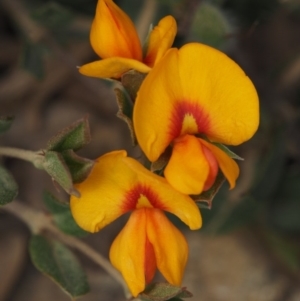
(38,221)
(33,157)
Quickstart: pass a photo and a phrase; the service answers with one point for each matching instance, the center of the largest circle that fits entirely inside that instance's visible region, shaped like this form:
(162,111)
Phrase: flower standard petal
(222,89)
(170,246)
(113,33)
(160,40)
(112,67)
(200,82)
(127,253)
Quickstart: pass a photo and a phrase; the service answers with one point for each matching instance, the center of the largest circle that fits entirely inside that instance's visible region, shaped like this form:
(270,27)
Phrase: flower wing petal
(113,33)
(228,166)
(102,193)
(127,253)
(160,40)
(170,246)
(188,169)
(112,67)
(154,104)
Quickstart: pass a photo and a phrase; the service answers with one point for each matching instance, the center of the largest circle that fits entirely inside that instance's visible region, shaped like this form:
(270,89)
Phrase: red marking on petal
(183,108)
(213,167)
(150,261)
(133,195)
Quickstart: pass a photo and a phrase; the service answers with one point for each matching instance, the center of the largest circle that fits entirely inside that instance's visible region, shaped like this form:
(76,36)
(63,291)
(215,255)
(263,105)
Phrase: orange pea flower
(114,38)
(192,93)
(119,184)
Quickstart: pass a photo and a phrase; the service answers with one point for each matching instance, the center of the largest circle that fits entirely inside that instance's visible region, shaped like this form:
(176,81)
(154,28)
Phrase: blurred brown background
(249,247)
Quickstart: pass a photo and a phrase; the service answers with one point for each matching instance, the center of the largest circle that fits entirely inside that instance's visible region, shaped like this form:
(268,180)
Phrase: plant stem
(38,221)
(34,157)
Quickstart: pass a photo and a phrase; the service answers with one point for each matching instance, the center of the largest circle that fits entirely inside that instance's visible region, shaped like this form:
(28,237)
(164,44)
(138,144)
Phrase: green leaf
(241,215)
(56,167)
(73,137)
(52,15)
(125,110)
(79,167)
(162,161)
(57,262)
(284,250)
(229,152)
(270,170)
(32,58)
(62,215)
(5,123)
(132,81)
(210,26)
(8,186)
(163,292)
(285,209)
(205,198)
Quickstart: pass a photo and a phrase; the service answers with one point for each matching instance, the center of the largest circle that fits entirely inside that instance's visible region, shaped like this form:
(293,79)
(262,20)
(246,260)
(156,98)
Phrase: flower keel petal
(170,246)
(127,253)
(113,33)
(188,169)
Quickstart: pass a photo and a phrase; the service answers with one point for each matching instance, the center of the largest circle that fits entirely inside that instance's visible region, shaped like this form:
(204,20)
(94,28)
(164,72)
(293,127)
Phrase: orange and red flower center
(141,196)
(188,118)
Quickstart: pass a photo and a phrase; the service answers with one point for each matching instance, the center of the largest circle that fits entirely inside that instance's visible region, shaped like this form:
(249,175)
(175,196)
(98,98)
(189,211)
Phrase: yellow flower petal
(188,169)
(127,253)
(101,193)
(113,33)
(170,246)
(163,196)
(200,82)
(222,89)
(116,185)
(154,104)
(112,67)
(160,40)
(228,166)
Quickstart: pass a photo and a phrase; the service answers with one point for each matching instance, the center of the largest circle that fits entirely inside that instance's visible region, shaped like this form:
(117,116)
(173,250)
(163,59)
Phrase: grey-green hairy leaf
(210,26)
(5,123)
(229,152)
(56,167)
(205,199)
(132,81)
(57,262)
(32,58)
(164,291)
(62,215)
(125,110)
(79,167)
(8,186)
(72,137)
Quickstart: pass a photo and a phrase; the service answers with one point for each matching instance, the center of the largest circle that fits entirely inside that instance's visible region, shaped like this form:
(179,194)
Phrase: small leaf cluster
(8,185)
(60,160)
